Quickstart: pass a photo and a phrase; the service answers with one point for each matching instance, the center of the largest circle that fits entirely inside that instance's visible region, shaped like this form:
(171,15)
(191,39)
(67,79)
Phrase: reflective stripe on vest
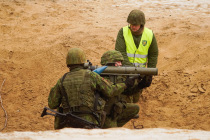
(137,56)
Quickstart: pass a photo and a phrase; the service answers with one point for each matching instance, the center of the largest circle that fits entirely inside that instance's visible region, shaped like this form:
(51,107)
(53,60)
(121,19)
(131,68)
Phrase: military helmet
(136,17)
(75,56)
(111,56)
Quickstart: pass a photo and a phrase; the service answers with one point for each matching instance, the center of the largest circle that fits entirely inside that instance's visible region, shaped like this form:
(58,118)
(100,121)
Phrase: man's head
(75,56)
(136,19)
(112,57)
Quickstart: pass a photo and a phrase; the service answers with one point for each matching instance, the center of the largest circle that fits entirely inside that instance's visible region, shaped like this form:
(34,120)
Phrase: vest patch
(144,42)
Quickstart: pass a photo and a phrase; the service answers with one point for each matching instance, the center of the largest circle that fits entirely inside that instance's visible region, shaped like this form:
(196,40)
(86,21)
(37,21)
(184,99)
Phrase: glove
(145,82)
(129,82)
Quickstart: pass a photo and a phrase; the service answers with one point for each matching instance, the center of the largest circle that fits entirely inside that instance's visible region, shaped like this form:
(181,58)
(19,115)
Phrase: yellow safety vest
(137,56)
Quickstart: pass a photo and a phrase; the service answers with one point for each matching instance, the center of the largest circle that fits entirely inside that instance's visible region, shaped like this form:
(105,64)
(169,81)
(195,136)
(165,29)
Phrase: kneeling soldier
(119,108)
(79,92)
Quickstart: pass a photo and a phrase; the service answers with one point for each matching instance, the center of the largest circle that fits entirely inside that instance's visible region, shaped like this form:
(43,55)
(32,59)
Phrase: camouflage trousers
(127,114)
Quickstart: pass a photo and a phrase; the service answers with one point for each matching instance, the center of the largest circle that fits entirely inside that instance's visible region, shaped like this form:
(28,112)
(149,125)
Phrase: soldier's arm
(105,87)
(153,54)
(54,99)
(118,89)
(134,91)
(121,47)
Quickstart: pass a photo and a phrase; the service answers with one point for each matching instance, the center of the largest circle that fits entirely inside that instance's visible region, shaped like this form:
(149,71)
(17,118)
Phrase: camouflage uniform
(131,94)
(80,85)
(123,109)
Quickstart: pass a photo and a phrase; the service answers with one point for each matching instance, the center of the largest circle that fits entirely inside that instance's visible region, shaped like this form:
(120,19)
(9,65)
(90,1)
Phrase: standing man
(138,44)
(79,92)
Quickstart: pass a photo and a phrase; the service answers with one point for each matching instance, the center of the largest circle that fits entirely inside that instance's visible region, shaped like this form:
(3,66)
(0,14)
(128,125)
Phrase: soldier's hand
(129,82)
(145,82)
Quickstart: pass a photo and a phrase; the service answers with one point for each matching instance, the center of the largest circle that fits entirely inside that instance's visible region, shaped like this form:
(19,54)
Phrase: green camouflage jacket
(98,83)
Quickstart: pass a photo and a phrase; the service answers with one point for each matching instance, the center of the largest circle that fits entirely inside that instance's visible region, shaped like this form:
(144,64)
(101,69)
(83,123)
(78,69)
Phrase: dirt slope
(35,36)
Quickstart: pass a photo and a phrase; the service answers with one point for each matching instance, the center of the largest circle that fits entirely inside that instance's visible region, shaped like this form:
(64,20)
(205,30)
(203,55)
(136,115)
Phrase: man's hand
(145,82)
(130,81)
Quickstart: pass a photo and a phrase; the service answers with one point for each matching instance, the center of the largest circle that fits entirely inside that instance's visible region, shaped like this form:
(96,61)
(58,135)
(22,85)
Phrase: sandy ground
(110,134)
(35,36)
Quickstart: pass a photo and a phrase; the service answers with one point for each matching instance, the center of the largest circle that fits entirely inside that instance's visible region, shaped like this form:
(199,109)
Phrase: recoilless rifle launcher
(113,71)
